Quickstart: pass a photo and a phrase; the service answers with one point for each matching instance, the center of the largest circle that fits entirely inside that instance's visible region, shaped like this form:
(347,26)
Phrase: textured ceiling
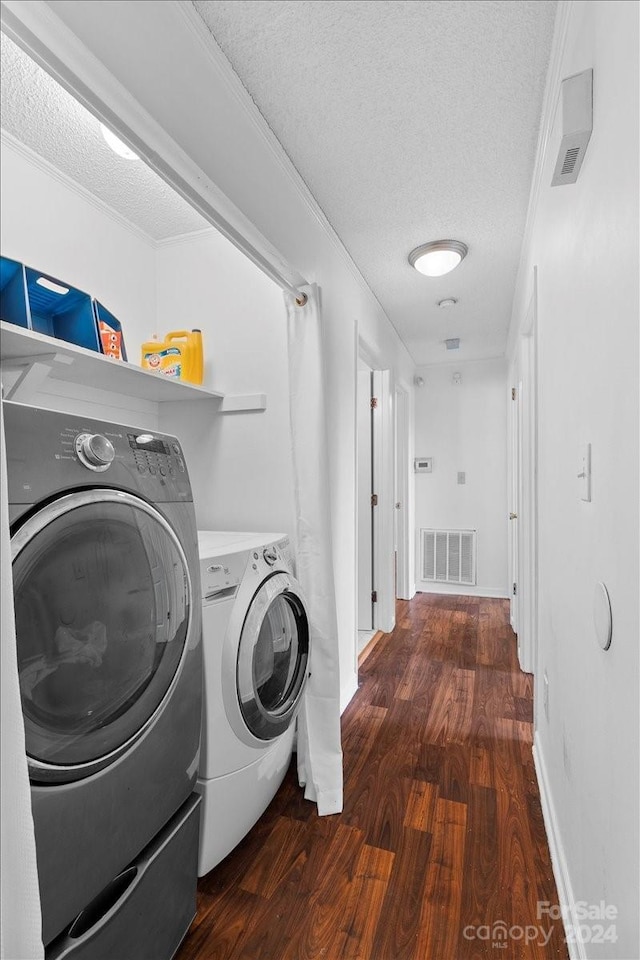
(38,112)
(409,121)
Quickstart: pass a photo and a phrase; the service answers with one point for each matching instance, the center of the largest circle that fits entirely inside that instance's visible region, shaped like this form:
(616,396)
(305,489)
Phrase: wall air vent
(448,556)
(577,123)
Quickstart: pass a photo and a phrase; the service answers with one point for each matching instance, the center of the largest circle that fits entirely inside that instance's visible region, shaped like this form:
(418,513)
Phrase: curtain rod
(31,43)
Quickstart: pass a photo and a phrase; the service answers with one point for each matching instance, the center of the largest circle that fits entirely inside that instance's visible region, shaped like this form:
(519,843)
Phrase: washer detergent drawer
(145,912)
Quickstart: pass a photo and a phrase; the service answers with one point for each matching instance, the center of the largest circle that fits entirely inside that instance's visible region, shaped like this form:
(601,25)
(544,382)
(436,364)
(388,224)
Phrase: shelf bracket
(245,403)
(33,374)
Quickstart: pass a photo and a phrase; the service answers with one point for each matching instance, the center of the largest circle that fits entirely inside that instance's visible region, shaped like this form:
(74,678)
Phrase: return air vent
(577,123)
(448,556)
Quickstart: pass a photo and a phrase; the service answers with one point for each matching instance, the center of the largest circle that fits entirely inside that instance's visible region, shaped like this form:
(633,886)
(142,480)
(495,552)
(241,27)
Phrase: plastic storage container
(14,306)
(61,311)
(178,356)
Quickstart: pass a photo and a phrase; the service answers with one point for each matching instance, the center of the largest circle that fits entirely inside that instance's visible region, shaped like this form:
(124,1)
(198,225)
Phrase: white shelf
(40,356)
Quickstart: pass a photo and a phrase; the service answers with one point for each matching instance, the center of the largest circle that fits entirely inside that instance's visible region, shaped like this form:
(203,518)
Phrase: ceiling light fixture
(449,302)
(117,145)
(438,257)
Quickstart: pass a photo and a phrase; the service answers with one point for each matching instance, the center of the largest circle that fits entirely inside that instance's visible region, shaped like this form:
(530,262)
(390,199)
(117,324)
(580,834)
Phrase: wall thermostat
(423,464)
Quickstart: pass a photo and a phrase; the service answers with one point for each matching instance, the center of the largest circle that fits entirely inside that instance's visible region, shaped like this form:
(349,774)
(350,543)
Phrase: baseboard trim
(558,858)
(460,590)
(347,695)
(369,647)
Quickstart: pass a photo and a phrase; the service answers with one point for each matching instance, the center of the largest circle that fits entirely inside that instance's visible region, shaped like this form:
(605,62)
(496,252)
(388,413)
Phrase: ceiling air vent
(577,123)
(453,343)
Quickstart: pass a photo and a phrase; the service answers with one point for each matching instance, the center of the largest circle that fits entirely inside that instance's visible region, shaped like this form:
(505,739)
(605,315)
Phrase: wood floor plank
(324,885)
(421,807)
(450,714)
(480,891)
(442,827)
(440,918)
(355,931)
(278,857)
(399,924)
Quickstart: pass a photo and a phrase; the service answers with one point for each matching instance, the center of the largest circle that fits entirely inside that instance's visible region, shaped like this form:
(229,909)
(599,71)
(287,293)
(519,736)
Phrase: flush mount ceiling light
(449,302)
(117,145)
(438,257)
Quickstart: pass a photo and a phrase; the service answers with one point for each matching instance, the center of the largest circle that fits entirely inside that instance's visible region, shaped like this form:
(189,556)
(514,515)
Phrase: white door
(365,528)
(401,531)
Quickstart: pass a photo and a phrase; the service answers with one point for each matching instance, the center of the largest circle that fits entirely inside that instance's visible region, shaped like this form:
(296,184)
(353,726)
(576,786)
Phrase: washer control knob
(270,555)
(95,451)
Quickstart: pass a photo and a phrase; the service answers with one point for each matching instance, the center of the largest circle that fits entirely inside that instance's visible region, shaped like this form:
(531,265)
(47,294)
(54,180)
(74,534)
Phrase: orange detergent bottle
(178,356)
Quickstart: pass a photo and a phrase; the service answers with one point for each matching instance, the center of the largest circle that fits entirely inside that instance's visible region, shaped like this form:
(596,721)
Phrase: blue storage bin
(61,311)
(101,313)
(14,306)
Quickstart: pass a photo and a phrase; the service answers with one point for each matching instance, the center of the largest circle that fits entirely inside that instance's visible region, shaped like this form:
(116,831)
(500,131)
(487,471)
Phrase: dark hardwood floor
(440,853)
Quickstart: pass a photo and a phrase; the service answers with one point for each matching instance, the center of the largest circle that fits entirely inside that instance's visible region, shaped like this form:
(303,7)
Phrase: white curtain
(319,748)
(20,923)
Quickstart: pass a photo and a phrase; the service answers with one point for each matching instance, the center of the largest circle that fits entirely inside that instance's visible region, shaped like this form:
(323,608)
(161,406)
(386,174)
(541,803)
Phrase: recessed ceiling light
(117,145)
(449,302)
(438,257)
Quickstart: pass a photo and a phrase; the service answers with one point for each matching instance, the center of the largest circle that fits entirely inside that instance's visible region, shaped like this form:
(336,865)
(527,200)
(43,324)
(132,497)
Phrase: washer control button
(270,555)
(94,451)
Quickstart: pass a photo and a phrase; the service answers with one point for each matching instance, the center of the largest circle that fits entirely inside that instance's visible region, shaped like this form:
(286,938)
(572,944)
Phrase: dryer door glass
(102,602)
(272,660)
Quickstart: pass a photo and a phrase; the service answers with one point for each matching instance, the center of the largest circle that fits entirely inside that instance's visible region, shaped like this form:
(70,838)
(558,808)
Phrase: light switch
(584,471)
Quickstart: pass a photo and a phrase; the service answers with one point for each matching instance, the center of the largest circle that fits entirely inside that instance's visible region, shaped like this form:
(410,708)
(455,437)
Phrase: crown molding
(181,238)
(8,141)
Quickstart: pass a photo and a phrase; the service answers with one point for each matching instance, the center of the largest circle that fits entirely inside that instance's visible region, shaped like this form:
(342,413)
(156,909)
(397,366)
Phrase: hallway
(440,853)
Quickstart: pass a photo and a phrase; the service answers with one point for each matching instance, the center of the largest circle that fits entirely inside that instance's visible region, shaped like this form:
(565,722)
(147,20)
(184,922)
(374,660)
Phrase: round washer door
(273,655)
(102,603)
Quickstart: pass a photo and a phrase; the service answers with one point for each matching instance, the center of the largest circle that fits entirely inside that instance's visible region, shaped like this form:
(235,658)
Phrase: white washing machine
(255,634)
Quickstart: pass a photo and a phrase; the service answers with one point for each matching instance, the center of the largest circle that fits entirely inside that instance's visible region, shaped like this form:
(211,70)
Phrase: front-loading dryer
(256,655)
(108,631)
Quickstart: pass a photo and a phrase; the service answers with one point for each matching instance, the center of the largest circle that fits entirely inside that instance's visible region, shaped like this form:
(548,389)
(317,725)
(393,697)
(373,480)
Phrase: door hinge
(513,393)
(515,589)
(374,402)
(374,596)
(374,499)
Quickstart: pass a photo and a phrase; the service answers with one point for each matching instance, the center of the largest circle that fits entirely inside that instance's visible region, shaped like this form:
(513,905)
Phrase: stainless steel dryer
(108,624)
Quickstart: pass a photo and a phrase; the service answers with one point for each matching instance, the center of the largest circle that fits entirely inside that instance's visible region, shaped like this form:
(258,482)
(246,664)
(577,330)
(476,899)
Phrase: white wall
(51,225)
(584,241)
(463,428)
(147,47)
(240,464)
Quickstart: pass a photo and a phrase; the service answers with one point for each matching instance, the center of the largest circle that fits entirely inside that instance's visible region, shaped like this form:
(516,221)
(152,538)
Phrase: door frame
(384,613)
(403,539)
(524,606)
